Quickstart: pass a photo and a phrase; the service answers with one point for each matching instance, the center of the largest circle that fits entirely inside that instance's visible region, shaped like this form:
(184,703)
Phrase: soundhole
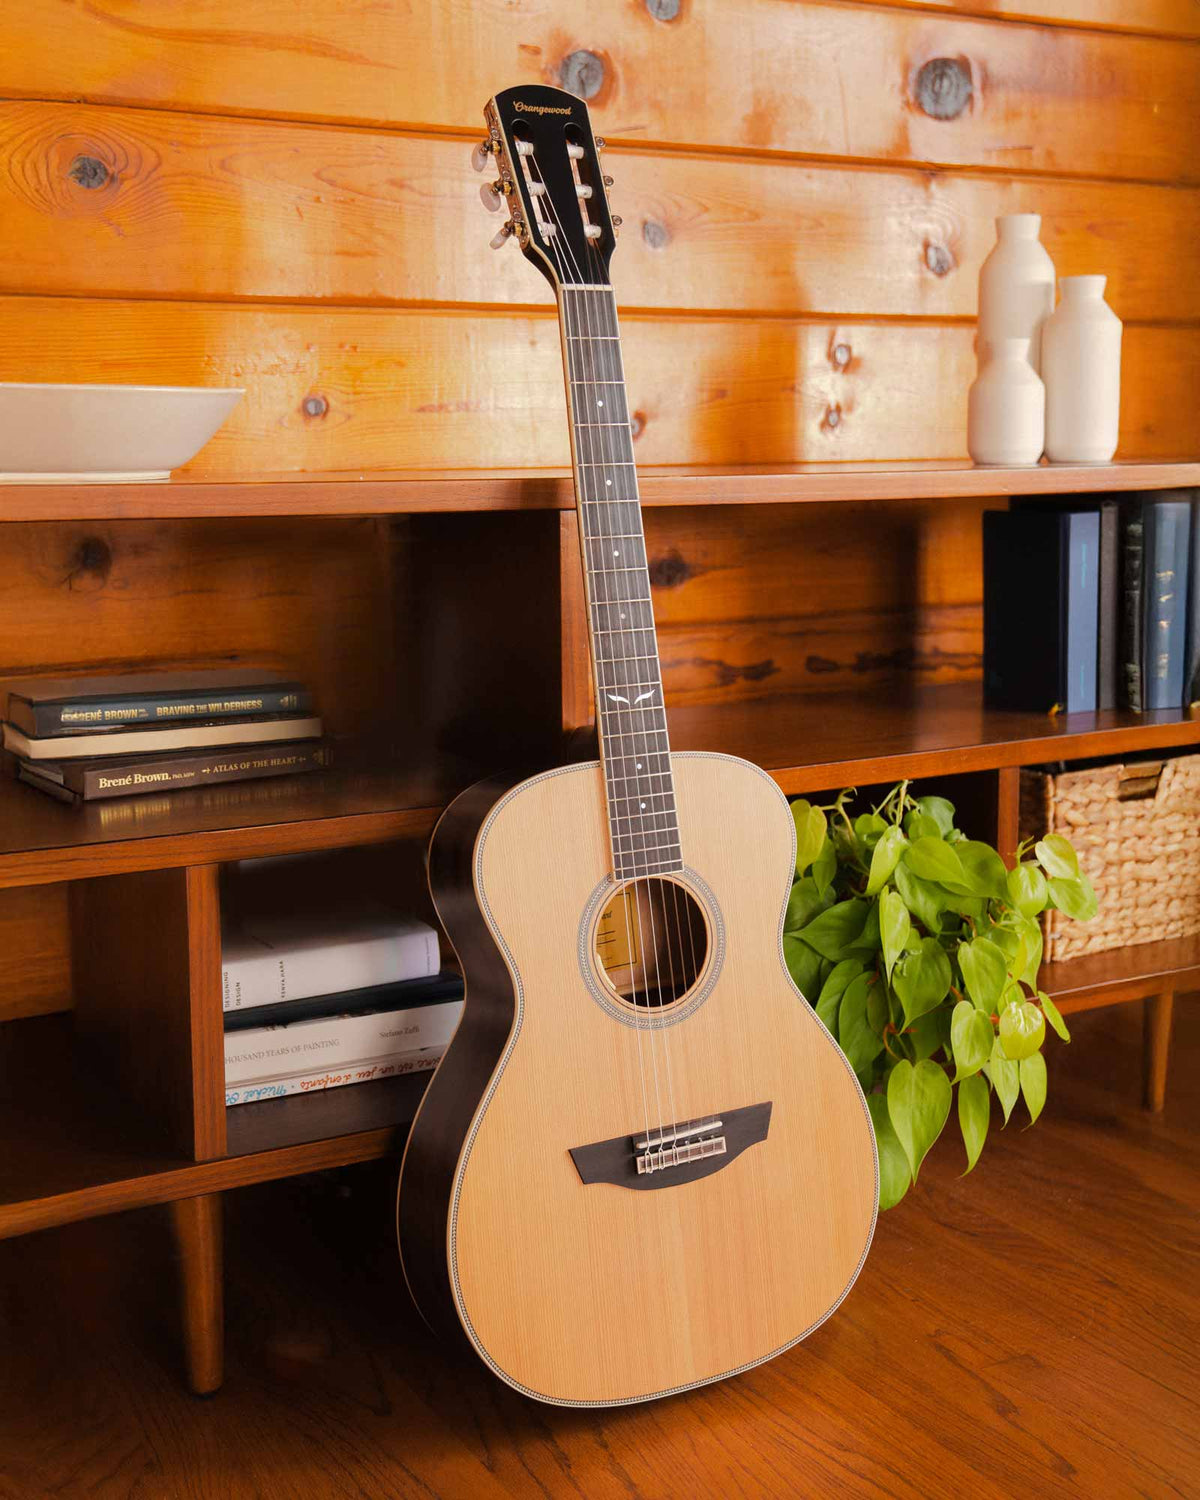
(651,943)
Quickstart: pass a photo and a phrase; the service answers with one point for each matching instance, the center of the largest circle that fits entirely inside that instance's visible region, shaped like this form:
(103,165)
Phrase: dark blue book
(1166,540)
(1041,601)
(1191,679)
(402,995)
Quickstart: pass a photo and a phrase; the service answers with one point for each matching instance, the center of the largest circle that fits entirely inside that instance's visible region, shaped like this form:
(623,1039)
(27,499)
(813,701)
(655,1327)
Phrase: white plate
(105,434)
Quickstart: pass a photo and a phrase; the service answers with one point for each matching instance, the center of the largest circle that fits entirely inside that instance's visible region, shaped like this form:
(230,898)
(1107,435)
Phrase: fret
(637,869)
(645,848)
(634,797)
(610,464)
(631,734)
(604,661)
(649,708)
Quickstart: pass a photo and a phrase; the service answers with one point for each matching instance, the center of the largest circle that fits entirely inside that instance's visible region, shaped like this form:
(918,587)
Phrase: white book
(174,737)
(334,1078)
(294,958)
(263,1052)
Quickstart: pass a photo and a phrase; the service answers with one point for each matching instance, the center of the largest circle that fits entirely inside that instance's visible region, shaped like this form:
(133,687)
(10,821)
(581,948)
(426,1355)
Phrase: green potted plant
(920,951)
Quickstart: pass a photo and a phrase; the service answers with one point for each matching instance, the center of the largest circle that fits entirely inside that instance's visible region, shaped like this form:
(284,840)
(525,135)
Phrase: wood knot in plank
(314,406)
(89,564)
(938,259)
(637,424)
(582,73)
(88,172)
(840,355)
(832,419)
(663,10)
(656,235)
(943,87)
(669,571)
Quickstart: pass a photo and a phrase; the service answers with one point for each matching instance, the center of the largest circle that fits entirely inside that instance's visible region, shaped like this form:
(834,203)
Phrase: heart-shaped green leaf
(925,900)
(1075,897)
(971,1038)
(836,929)
(869,828)
(918,1103)
(929,1032)
(1030,931)
(922,979)
(1057,857)
(1022,1030)
(804,903)
(1033,1084)
(984,971)
(884,859)
(1005,1076)
(934,859)
(985,870)
(810,833)
(973,1111)
(919,825)
(834,988)
(894,1173)
(941,811)
(824,867)
(804,964)
(861,1044)
(1027,890)
(893,927)
(1053,1016)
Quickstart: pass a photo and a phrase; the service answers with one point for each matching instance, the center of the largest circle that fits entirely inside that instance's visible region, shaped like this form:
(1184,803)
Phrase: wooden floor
(1032,1330)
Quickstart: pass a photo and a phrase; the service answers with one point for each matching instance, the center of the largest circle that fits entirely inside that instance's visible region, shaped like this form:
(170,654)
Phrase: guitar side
(590,1293)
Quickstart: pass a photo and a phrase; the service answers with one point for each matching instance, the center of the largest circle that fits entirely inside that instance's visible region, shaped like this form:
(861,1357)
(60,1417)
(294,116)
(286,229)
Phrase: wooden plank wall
(279,196)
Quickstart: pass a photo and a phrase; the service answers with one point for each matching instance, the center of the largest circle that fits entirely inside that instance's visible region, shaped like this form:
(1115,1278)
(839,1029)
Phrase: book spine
(1110,607)
(178,773)
(1083,604)
(317,1082)
(272,976)
(1167,552)
(1133,561)
(93,713)
(269,1051)
(1191,679)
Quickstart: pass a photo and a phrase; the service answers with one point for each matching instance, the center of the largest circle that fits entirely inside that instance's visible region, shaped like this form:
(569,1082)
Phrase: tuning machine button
(479,156)
(490,196)
(502,234)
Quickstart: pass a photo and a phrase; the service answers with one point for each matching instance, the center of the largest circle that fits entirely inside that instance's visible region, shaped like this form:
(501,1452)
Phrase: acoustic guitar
(643,1163)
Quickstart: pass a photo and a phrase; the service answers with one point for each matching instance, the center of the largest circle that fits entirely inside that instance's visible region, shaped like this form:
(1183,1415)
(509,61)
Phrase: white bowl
(102,433)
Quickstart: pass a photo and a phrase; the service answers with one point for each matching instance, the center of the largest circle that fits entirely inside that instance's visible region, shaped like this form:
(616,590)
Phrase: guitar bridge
(659,1158)
(677,1153)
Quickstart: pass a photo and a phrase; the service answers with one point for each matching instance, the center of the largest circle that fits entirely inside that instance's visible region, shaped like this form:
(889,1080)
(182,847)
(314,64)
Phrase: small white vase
(1081,367)
(1016,287)
(1006,407)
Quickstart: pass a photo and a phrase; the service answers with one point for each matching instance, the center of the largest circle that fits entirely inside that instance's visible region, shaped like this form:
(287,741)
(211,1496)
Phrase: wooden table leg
(197,1226)
(1156,1044)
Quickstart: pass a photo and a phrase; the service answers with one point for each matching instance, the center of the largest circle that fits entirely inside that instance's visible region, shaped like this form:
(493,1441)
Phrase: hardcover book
(61,705)
(402,995)
(193,734)
(256,1090)
(1041,594)
(336,1041)
(92,779)
(265,962)
(1167,542)
(1133,554)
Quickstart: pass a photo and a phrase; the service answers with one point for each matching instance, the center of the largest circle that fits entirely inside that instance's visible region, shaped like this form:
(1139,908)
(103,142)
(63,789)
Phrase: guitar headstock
(549,175)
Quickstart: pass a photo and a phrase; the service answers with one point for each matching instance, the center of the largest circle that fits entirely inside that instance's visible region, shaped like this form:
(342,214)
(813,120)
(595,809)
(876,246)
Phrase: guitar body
(580,1279)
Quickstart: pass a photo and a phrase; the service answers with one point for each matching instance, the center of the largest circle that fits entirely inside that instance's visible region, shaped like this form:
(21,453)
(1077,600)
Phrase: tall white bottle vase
(1081,367)
(1016,287)
(1006,407)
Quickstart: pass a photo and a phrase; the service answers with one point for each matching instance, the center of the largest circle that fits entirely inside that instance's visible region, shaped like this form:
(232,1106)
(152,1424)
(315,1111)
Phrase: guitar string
(595,261)
(622,893)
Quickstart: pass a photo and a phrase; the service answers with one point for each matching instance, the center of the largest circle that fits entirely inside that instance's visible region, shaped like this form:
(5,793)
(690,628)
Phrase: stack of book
(313,1004)
(1093,603)
(81,739)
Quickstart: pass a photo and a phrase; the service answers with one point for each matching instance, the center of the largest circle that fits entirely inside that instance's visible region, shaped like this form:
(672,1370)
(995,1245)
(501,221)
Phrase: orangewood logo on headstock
(541,109)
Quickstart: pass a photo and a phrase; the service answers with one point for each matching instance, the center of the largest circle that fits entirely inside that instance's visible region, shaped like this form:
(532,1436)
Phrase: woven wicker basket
(1136,829)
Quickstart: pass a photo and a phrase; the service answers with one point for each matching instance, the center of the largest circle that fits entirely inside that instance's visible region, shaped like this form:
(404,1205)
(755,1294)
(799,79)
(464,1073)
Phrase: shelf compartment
(42,840)
(821,743)
(1132,973)
(388,1104)
(401,491)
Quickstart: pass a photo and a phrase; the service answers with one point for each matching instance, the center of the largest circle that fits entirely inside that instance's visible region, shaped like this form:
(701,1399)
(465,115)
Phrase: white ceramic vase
(1081,368)
(1016,287)
(1006,407)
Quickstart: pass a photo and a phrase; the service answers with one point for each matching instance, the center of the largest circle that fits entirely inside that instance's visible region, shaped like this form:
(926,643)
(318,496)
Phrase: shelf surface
(807,744)
(824,743)
(42,840)
(399,491)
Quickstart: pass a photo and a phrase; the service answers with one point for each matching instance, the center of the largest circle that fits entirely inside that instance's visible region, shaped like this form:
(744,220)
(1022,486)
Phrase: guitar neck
(630,715)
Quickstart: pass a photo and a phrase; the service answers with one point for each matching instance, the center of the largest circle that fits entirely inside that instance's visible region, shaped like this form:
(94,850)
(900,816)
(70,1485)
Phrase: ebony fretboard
(625,665)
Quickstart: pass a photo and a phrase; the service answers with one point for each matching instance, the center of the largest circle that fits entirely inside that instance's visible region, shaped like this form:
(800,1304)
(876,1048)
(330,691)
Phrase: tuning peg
(608,181)
(479,156)
(502,234)
(489,196)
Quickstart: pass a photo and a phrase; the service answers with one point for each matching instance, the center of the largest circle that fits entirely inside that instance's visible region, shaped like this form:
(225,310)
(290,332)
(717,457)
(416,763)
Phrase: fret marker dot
(616,553)
(609,483)
(599,403)
(639,765)
(641,804)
